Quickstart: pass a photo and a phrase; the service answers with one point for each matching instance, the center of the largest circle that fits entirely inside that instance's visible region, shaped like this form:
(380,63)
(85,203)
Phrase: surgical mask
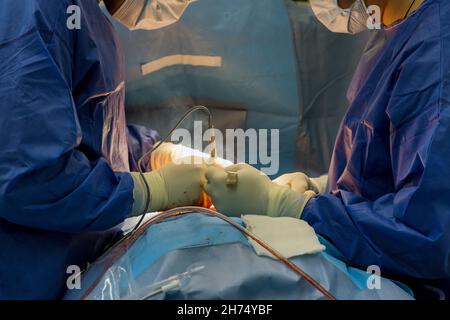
(351,20)
(150,14)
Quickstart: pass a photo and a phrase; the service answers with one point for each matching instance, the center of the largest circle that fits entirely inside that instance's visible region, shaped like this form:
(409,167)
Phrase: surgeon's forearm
(320,183)
(72,196)
(367,234)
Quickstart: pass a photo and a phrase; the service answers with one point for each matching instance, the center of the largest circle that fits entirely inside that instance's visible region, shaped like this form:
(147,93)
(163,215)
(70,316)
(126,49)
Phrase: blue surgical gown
(65,148)
(389,180)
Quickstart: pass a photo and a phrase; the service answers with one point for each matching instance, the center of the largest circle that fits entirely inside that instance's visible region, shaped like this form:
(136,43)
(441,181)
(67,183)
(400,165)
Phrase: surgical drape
(389,199)
(65,148)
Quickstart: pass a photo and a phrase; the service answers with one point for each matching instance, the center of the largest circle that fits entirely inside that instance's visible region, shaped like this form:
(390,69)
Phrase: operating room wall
(279,69)
(326,62)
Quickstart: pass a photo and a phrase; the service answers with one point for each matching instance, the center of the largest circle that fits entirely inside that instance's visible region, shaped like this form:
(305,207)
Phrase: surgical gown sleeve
(46,182)
(389,200)
(140,142)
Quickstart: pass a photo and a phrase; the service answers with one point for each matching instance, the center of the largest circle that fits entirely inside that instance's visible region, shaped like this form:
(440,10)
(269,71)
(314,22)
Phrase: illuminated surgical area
(225,150)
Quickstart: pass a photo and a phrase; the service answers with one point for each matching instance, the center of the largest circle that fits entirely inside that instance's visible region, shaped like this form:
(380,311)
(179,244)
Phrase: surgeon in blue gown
(387,200)
(68,160)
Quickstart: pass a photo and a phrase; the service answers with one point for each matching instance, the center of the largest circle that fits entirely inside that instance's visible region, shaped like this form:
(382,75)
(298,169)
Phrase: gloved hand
(176,153)
(252,193)
(170,187)
(301,183)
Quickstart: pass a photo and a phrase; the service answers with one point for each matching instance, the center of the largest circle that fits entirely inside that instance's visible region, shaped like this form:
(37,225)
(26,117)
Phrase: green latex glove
(253,193)
(321,183)
(171,186)
(300,182)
